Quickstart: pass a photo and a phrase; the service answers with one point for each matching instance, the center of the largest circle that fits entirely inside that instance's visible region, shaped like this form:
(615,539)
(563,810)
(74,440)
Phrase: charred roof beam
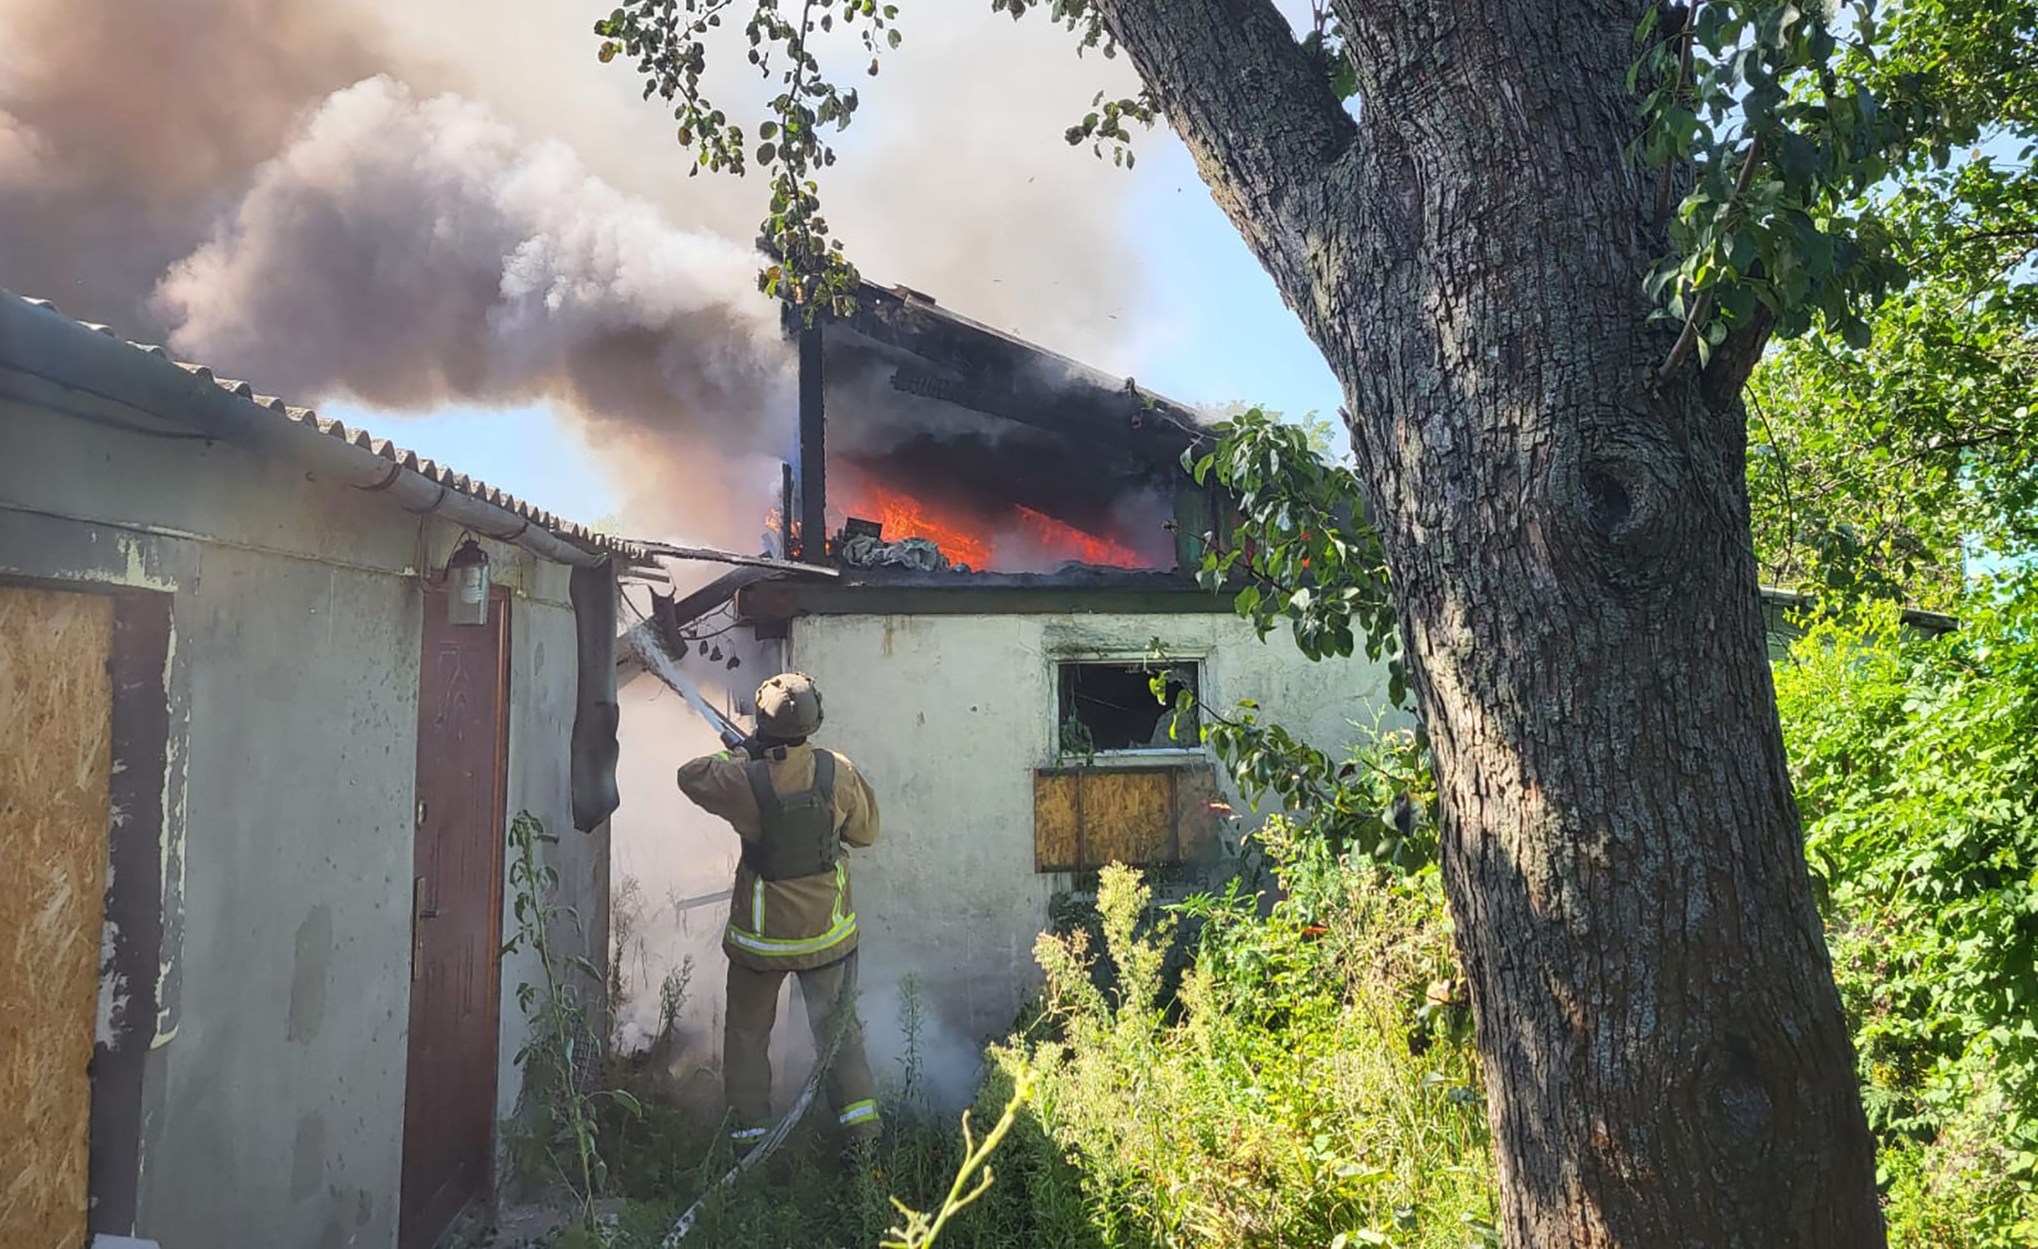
(1131,424)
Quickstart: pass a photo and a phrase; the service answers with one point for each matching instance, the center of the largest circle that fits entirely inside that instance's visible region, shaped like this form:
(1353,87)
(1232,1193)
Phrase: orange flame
(972,539)
(1060,537)
(906,517)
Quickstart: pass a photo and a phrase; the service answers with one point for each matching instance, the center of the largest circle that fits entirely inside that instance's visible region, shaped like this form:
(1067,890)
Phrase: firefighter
(796,807)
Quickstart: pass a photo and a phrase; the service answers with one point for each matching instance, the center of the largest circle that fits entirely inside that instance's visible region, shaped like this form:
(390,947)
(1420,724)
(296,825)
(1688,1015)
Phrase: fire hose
(770,1141)
(643,641)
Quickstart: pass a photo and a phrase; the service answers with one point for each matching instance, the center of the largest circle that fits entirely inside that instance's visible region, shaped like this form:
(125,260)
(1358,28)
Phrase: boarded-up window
(1088,817)
(56,700)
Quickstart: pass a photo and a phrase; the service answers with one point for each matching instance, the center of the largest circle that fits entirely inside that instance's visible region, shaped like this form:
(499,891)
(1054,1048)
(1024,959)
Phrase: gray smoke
(327,200)
(435,257)
(126,128)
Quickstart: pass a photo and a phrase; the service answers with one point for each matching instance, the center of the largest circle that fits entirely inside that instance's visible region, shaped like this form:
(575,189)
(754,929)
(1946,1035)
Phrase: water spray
(643,642)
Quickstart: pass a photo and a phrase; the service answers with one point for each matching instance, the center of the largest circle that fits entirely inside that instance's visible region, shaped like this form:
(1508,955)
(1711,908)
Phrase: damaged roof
(58,368)
(1076,588)
(940,354)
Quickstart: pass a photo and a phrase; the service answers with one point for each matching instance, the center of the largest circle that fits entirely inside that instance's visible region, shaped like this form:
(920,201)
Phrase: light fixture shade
(467,585)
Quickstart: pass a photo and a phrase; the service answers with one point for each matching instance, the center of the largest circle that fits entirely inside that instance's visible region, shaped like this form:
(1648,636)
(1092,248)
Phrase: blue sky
(1230,338)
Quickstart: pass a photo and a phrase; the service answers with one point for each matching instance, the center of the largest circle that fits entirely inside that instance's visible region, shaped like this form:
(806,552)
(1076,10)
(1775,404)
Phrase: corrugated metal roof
(398,457)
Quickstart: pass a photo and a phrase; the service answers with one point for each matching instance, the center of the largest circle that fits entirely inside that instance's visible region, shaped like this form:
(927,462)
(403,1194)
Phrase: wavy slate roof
(399,458)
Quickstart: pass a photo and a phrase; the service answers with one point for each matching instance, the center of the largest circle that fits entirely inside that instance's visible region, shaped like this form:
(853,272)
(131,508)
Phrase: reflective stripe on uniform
(757,905)
(864,1111)
(844,929)
(841,879)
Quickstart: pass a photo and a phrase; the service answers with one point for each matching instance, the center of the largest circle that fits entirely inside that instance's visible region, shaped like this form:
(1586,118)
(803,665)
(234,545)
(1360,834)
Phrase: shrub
(1297,1096)
(1915,768)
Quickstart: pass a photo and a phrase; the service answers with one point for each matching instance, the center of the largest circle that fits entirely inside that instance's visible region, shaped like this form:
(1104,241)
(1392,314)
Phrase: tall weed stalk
(554,1140)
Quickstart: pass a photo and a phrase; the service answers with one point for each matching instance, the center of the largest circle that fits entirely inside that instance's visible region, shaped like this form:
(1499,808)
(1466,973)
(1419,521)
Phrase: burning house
(1012,541)
(916,422)
(1008,565)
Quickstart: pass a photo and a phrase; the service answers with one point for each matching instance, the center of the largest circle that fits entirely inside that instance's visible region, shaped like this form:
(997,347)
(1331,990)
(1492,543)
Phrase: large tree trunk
(1665,1056)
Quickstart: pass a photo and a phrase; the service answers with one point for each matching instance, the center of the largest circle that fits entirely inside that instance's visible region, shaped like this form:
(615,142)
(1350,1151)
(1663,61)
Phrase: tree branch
(1665,201)
(1253,106)
(1736,357)
(1701,309)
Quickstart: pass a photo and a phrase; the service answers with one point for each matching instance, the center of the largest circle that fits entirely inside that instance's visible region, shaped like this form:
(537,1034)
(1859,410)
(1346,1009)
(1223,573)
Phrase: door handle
(419,913)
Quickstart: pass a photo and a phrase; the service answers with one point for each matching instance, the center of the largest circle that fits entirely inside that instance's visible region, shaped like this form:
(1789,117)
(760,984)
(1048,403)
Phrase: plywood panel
(1057,823)
(1196,823)
(56,711)
(1128,816)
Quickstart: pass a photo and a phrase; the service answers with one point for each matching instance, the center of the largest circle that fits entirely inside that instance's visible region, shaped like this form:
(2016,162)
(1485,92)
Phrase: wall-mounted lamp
(467,579)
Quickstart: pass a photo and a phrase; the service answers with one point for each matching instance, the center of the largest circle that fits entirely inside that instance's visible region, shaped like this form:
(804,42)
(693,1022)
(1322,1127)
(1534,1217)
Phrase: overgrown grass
(804,1195)
(1305,1089)
(1308,1082)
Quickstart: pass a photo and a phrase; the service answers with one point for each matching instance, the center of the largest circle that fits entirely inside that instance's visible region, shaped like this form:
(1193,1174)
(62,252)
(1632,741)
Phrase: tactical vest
(799,837)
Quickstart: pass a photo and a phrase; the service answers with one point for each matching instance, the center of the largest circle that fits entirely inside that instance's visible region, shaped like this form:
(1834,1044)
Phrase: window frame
(1152,756)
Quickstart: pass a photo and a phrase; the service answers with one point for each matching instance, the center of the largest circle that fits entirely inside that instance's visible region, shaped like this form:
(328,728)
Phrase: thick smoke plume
(436,258)
(125,129)
(327,200)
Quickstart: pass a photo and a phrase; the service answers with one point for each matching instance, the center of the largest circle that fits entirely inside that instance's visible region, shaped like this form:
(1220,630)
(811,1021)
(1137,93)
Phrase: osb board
(1128,817)
(1057,840)
(1196,821)
(56,706)
(1089,817)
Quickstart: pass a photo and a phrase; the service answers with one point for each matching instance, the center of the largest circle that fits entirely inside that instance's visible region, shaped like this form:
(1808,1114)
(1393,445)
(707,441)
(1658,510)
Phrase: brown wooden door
(456,925)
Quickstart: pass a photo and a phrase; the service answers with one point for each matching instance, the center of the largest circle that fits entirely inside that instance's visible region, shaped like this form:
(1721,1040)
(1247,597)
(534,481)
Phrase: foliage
(1301,544)
(674,1153)
(1103,128)
(1747,109)
(668,41)
(1874,469)
(1879,460)
(1379,801)
(917,1230)
(1306,555)
(1294,1097)
(1958,1191)
(1776,124)
(1313,1084)
(1914,768)
(554,1135)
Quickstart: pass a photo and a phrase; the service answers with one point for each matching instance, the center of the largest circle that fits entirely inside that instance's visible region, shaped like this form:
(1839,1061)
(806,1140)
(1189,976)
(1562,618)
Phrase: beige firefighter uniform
(804,924)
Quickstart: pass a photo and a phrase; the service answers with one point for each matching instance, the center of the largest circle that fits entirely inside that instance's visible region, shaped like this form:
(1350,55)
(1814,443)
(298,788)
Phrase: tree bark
(1665,1056)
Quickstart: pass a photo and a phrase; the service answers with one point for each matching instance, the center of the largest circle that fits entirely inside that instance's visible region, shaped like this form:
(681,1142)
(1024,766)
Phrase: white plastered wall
(949,715)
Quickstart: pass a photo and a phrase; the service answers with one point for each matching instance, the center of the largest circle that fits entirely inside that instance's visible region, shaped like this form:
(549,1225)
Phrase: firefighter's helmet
(788,706)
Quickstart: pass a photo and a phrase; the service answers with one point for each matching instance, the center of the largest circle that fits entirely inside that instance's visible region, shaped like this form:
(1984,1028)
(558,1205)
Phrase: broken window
(1107,708)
